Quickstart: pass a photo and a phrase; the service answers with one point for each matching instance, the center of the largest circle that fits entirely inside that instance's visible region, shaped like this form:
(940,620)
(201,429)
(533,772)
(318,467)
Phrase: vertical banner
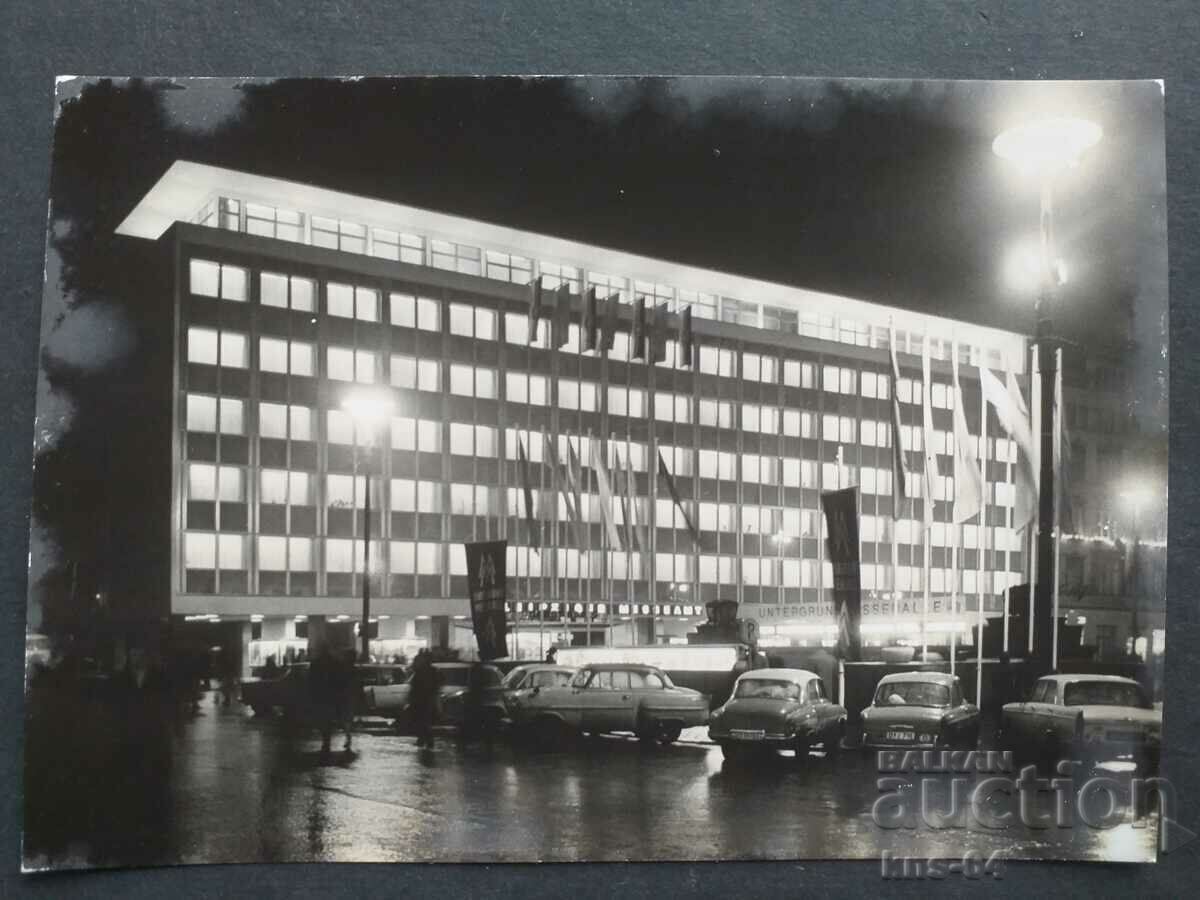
(841,518)
(486,587)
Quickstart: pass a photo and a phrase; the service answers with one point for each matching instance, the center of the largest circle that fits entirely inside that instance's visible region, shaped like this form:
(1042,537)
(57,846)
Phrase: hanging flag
(560,318)
(604,484)
(574,475)
(486,583)
(930,475)
(608,323)
(665,475)
(637,336)
(589,320)
(841,517)
(658,335)
(900,477)
(560,482)
(968,482)
(687,344)
(621,477)
(1063,507)
(527,491)
(535,308)
(641,540)
(1014,419)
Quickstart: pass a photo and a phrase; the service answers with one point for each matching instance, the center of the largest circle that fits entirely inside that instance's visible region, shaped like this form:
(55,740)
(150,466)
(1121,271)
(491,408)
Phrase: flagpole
(927,491)
(981,529)
(1057,425)
(1035,411)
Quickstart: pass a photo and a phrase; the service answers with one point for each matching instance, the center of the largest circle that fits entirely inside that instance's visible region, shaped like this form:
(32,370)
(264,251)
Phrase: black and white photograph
(592,469)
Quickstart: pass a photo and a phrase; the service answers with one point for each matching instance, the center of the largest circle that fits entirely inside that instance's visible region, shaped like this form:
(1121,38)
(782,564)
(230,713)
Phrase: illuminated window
(352,302)
(404,371)
(403,557)
(455,257)
(285,292)
(203,346)
(269,221)
(345,364)
(210,279)
(201,413)
(508,267)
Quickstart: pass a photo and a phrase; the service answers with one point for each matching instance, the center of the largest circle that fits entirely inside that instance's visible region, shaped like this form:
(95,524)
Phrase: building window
(716,361)
(429,436)
(276,355)
(345,491)
(555,275)
(286,292)
(430,558)
(345,364)
(210,279)
(335,234)
(269,221)
(509,267)
(397,246)
(607,285)
(455,257)
(403,371)
(225,348)
(351,302)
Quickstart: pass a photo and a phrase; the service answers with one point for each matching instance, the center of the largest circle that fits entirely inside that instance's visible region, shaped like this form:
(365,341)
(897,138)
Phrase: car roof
(621,667)
(780,674)
(927,677)
(1083,676)
(541,667)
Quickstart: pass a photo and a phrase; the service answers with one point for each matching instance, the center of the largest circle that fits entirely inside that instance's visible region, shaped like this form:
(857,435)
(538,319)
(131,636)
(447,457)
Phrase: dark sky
(884,191)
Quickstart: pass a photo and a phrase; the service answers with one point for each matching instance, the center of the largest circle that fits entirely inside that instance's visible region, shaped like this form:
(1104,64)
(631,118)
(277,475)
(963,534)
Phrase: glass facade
(273,475)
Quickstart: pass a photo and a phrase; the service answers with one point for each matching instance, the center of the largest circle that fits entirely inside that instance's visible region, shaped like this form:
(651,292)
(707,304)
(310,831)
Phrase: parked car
(391,701)
(777,709)
(524,679)
(289,694)
(1091,718)
(921,710)
(610,697)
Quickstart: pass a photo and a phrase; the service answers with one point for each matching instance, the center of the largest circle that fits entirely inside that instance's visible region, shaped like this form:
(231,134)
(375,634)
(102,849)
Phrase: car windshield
(513,678)
(1104,693)
(912,693)
(767,689)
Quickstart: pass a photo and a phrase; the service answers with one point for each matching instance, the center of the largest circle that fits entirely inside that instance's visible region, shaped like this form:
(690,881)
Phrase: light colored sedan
(777,709)
(920,710)
(1092,718)
(611,697)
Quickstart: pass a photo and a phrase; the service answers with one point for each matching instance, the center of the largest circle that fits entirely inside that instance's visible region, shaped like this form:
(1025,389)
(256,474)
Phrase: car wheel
(734,753)
(669,734)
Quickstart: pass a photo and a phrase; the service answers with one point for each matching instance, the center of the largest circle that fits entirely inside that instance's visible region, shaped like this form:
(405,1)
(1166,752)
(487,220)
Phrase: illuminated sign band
(526,609)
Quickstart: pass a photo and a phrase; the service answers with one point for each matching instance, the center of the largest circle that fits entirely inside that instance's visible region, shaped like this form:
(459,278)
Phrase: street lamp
(369,409)
(1043,150)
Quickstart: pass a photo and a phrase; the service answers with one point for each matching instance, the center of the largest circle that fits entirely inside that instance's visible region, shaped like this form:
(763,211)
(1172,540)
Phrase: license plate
(900,735)
(746,734)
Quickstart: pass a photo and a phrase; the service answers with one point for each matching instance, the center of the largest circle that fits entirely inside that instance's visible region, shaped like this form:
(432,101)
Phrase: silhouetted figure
(422,698)
(271,670)
(552,655)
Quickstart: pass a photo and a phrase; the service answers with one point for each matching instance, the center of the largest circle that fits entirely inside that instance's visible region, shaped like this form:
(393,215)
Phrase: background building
(287,296)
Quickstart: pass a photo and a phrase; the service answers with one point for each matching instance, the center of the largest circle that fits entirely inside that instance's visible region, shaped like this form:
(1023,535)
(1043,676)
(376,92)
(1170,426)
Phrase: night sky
(883,191)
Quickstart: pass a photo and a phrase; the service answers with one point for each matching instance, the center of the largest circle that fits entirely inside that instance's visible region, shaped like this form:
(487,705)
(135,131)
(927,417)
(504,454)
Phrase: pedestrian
(422,698)
(552,655)
(323,686)
(476,715)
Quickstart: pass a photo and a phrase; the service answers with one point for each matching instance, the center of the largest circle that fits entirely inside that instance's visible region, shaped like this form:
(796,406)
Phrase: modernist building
(288,296)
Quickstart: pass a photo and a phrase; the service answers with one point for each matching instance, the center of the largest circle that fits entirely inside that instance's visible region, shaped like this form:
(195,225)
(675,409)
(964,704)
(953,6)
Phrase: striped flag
(527,492)
(687,341)
(968,482)
(930,475)
(665,474)
(637,336)
(535,308)
(621,476)
(608,322)
(899,469)
(641,540)
(658,335)
(561,482)
(1014,419)
(604,484)
(560,318)
(589,320)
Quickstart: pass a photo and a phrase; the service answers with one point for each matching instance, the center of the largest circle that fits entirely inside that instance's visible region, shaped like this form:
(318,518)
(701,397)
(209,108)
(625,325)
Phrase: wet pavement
(241,789)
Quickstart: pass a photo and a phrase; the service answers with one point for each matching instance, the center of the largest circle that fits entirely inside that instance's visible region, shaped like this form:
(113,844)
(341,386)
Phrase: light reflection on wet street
(241,790)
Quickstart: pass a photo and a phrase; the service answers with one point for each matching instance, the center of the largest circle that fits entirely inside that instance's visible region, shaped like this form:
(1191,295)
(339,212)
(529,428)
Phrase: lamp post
(369,409)
(1043,150)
